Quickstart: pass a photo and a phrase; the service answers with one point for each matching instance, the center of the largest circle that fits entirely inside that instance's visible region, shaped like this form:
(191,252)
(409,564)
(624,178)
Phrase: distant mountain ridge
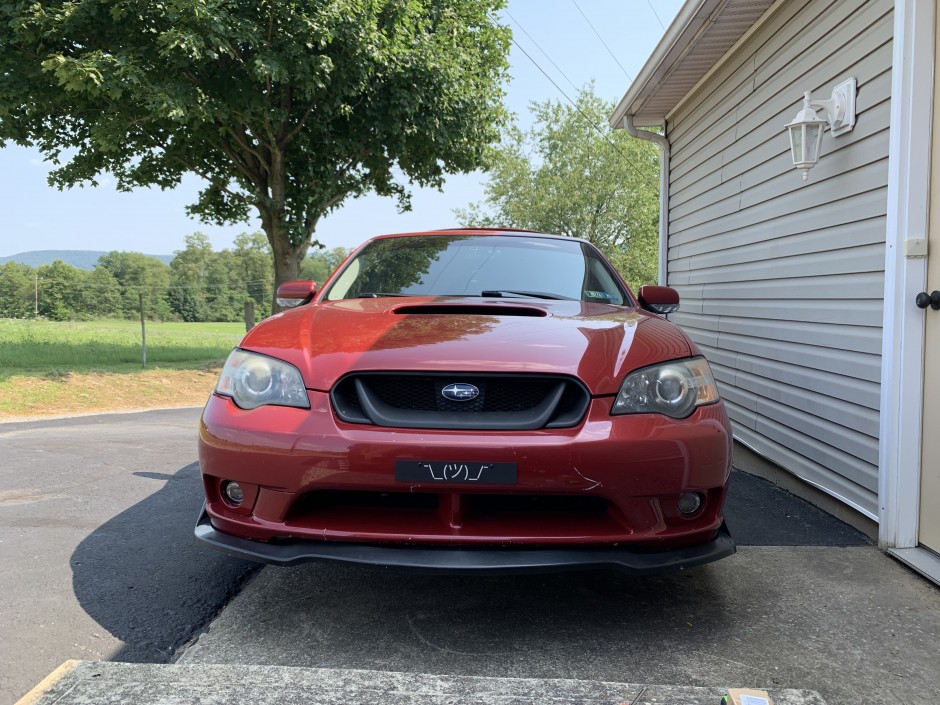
(83,259)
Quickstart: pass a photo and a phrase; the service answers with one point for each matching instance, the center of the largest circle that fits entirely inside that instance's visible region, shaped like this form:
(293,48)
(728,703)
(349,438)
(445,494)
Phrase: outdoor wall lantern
(806,130)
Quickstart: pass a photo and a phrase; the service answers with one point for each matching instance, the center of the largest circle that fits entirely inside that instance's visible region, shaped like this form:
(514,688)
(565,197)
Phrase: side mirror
(658,299)
(294,293)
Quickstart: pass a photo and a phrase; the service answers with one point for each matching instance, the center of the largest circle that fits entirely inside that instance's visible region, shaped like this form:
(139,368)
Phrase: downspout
(663,143)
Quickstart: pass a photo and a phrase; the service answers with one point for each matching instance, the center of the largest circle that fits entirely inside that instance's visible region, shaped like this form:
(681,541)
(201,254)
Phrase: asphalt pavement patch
(99,561)
(759,513)
(142,577)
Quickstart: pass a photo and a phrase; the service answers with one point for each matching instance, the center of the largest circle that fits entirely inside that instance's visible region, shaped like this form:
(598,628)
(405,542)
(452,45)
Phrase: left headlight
(253,380)
(673,388)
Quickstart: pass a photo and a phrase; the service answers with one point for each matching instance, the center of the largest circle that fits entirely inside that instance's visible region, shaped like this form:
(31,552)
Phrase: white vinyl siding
(782,281)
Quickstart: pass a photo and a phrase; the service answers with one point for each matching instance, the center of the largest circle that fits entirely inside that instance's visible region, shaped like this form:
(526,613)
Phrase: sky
(557,34)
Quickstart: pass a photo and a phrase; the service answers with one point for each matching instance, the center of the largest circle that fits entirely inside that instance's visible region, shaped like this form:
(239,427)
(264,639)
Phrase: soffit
(701,34)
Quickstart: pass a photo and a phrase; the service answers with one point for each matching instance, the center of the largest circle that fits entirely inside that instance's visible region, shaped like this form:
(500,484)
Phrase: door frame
(901,417)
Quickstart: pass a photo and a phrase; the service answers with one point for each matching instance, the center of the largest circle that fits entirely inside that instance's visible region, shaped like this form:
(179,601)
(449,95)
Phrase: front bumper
(457,560)
(610,481)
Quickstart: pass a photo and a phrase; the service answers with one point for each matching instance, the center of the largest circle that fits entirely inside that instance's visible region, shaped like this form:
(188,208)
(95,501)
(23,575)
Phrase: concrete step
(107,683)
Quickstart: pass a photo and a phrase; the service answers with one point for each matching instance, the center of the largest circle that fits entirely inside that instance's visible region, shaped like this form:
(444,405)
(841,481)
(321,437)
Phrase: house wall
(782,280)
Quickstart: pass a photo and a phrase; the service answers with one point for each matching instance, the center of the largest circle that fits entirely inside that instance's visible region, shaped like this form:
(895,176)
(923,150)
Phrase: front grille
(415,400)
(424,393)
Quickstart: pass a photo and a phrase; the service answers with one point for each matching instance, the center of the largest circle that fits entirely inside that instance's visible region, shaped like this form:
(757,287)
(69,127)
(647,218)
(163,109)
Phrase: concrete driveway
(848,622)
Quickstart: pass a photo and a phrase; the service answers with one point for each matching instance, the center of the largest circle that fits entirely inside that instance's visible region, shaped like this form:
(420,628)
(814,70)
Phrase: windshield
(467,265)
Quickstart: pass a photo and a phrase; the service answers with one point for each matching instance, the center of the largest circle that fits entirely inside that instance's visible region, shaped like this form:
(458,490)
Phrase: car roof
(510,232)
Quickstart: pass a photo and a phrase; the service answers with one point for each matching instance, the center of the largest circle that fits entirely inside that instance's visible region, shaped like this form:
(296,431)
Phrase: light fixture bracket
(840,108)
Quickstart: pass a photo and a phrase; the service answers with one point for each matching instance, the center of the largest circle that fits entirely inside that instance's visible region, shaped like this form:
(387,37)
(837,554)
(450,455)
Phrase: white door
(929,515)
(929,529)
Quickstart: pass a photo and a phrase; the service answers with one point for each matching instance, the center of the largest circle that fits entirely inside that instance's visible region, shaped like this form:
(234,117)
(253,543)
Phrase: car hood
(597,343)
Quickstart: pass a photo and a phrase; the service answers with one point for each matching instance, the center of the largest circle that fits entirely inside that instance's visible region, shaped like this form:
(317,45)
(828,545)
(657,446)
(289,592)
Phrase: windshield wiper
(530,294)
(377,295)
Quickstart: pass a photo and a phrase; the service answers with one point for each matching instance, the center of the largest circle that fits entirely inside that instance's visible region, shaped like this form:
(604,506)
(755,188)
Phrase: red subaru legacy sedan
(485,400)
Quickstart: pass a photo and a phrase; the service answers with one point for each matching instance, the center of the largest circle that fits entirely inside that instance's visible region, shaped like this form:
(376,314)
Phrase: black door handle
(932,299)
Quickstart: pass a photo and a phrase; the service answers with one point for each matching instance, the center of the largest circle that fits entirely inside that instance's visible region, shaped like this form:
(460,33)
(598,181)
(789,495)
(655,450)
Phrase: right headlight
(672,388)
(254,380)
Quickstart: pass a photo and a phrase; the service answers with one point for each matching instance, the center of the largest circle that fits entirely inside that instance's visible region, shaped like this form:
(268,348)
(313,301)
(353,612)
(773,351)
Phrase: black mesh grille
(515,394)
(500,396)
(425,393)
(418,393)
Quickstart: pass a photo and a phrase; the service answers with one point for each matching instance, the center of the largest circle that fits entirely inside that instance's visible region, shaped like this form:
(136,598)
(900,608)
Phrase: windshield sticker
(598,295)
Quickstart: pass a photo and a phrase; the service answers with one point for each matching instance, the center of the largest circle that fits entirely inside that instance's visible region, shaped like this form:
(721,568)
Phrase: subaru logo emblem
(460,391)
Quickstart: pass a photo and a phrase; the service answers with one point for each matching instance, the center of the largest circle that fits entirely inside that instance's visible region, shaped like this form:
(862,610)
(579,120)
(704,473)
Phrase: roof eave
(687,22)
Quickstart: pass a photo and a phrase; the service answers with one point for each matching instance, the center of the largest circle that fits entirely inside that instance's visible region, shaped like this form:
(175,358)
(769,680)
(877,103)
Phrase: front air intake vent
(470,310)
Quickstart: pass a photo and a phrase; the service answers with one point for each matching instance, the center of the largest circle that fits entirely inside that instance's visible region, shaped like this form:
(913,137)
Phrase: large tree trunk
(287,257)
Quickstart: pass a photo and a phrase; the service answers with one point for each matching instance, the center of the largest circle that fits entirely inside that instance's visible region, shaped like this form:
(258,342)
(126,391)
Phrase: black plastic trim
(459,560)
(346,411)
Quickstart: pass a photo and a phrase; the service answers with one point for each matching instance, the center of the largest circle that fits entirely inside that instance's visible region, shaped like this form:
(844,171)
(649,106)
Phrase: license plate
(446,471)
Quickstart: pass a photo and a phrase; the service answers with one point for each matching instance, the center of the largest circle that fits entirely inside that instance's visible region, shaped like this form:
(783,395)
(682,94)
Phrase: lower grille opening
(430,517)
(491,505)
(331,500)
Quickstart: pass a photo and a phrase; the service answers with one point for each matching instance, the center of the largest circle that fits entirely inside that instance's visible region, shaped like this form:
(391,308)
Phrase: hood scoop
(450,309)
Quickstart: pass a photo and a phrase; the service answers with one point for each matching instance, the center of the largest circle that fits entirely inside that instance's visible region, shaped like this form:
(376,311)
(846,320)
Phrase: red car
(468,400)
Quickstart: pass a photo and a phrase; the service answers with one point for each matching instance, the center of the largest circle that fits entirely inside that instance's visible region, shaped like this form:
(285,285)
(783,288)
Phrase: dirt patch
(103,391)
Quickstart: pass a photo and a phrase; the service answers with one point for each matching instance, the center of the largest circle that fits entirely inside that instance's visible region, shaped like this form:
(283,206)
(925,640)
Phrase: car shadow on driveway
(144,579)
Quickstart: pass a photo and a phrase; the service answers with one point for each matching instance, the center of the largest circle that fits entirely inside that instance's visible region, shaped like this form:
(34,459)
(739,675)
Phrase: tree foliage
(16,290)
(562,176)
(134,273)
(284,108)
(319,265)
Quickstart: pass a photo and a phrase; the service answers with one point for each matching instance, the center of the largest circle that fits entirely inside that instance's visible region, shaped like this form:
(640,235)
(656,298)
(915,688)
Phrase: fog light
(689,503)
(234,494)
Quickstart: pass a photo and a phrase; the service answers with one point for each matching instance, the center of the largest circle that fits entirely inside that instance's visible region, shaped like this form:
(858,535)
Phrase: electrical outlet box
(915,247)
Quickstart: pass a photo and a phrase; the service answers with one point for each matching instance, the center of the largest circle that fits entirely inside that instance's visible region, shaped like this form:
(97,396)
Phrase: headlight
(253,380)
(674,389)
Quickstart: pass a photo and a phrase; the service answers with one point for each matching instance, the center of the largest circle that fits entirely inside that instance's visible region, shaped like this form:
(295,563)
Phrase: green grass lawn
(47,348)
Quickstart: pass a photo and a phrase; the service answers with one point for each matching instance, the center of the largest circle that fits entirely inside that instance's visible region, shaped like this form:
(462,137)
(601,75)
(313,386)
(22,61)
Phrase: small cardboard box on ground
(746,696)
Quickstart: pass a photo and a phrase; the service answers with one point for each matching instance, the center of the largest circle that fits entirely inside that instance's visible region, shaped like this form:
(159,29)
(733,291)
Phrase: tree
(17,290)
(225,292)
(135,273)
(285,108)
(101,295)
(214,286)
(61,287)
(252,255)
(319,265)
(188,295)
(562,176)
